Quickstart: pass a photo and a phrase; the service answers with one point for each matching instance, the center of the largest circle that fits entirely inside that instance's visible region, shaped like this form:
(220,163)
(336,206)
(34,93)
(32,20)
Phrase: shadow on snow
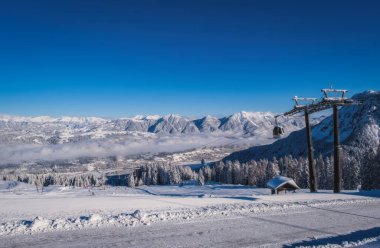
(339,239)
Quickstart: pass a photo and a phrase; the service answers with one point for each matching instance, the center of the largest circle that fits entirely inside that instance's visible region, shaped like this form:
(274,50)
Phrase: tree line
(84,180)
(365,172)
(254,173)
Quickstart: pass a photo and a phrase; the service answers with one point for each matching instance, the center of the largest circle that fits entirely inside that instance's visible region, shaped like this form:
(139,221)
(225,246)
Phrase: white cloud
(107,147)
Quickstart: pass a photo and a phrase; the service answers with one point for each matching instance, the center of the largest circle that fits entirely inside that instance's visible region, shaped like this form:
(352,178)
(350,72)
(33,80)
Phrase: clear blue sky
(120,58)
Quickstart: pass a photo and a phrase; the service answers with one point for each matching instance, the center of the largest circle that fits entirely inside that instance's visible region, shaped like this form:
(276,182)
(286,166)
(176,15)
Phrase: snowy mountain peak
(49,119)
(152,117)
(244,115)
(172,117)
(144,117)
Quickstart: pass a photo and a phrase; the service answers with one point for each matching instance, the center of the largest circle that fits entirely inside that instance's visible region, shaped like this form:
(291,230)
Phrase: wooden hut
(282,184)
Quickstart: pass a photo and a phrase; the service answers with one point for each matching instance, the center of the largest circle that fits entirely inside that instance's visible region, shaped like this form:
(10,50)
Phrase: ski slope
(189,216)
(323,228)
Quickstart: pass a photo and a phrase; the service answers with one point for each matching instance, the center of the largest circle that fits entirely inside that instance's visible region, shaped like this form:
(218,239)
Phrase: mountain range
(58,130)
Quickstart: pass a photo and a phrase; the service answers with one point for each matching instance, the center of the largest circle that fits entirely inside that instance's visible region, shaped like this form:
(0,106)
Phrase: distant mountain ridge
(359,134)
(55,130)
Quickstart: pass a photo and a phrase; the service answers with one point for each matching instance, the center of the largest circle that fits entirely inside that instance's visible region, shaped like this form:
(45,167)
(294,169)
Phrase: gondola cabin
(278,132)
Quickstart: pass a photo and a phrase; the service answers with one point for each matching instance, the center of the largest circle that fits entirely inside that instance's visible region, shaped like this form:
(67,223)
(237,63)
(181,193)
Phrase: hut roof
(279,181)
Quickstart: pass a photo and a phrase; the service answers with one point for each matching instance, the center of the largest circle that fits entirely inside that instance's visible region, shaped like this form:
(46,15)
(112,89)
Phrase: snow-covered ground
(61,210)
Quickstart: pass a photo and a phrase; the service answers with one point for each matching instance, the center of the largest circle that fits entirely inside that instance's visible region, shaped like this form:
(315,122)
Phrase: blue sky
(121,58)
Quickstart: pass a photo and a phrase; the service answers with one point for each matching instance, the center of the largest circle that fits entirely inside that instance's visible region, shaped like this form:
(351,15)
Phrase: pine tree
(228,175)
(303,181)
(271,170)
(350,172)
(252,176)
(131,181)
(201,178)
(330,172)
(371,171)
(237,176)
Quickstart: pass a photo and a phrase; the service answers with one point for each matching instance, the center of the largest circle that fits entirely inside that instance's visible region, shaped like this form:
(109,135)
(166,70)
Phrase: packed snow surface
(57,209)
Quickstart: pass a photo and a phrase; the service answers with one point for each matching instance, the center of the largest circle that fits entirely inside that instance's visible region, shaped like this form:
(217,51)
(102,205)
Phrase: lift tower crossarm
(297,99)
(324,104)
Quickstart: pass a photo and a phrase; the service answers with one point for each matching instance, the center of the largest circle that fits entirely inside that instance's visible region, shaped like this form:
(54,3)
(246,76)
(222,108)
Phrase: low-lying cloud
(13,154)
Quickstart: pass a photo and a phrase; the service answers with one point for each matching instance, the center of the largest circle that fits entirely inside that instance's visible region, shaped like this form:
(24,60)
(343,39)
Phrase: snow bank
(139,217)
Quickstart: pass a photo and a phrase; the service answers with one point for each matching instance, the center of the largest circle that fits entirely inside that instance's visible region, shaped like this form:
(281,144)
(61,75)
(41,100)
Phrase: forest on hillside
(355,173)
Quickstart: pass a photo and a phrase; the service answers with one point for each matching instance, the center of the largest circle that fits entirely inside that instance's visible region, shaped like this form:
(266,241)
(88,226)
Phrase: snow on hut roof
(279,181)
